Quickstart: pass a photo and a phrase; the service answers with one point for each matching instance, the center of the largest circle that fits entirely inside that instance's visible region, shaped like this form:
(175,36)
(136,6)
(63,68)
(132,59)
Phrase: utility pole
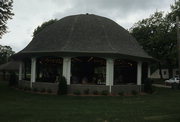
(178,42)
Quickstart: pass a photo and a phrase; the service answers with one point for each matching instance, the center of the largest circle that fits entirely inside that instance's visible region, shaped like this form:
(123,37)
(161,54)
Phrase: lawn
(19,106)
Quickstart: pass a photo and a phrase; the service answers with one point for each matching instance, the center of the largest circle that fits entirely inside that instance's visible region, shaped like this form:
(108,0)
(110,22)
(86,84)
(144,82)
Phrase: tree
(156,35)
(43,26)
(5,14)
(5,53)
(175,11)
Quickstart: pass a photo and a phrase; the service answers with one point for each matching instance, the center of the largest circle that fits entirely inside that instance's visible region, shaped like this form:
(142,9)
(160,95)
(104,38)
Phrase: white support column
(33,71)
(20,70)
(139,72)
(149,71)
(67,69)
(109,72)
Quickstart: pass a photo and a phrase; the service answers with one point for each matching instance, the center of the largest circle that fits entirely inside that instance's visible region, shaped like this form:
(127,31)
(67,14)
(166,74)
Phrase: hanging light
(77,59)
(90,59)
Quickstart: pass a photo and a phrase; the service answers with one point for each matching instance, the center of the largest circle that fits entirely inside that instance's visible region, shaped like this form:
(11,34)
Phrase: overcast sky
(31,13)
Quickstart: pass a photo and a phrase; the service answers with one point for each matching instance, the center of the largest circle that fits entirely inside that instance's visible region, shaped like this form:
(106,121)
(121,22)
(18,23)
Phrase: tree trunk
(170,69)
(178,42)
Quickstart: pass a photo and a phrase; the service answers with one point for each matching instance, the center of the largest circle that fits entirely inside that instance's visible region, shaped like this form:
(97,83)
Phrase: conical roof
(85,33)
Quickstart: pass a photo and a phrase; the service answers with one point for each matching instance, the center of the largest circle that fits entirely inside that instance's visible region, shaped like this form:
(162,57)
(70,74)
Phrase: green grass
(19,106)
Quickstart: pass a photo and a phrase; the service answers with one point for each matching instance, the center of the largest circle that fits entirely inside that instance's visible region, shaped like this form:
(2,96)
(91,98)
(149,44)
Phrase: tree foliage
(5,53)
(5,14)
(157,35)
(175,11)
(43,26)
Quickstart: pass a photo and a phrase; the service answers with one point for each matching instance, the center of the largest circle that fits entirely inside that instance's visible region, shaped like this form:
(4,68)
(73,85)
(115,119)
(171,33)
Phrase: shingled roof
(85,33)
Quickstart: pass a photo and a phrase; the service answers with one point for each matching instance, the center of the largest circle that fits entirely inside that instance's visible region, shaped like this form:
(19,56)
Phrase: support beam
(33,71)
(109,72)
(67,69)
(20,70)
(25,70)
(139,72)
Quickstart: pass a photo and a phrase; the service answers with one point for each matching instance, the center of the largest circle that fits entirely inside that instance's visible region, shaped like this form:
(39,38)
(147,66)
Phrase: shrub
(95,92)
(20,87)
(49,91)
(148,86)
(174,86)
(121,93)
(179,86)
(62,87)
(43,90)
(25,88)
(133,92)
(13,80)
(104,92)
(86,91)
(35,89)
(77,92)
(28,88)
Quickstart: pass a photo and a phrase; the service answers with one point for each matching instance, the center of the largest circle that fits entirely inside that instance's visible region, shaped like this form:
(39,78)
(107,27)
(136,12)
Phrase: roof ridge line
(70,34)
(106,36)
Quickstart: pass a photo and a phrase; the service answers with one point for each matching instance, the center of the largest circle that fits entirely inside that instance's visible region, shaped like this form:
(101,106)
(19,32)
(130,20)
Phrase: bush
(62,87)
(49,91)
(133,92)
(121,93)
(28,88)
(86,91)
(13,80)
(148,86)
(95,92)
(77,92)
(43,90)
(20,87)
(174,86)
(179,86)
(25,88)
(35,89)
(104,92)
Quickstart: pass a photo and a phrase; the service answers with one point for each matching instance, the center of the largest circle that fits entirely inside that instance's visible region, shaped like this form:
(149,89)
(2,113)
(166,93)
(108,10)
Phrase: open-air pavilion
(91,51)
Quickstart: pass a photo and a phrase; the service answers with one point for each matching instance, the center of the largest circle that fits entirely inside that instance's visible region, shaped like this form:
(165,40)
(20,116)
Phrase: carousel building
(90,51)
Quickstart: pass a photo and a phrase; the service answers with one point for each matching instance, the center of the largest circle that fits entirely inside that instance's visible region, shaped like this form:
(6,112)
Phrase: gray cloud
(118,10)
